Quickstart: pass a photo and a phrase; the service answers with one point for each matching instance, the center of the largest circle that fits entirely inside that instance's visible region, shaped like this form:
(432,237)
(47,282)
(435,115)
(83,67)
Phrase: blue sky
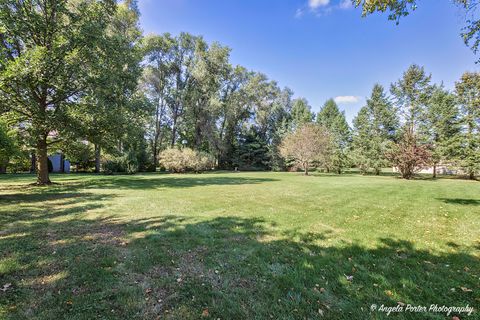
(322,48)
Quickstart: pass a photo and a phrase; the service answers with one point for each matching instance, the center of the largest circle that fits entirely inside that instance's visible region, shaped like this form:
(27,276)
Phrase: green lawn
(236,246)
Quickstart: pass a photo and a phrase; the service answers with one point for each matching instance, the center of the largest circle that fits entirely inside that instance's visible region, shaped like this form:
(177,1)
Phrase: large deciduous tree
(156,83)
(47,59)
(307,144)
(7,145)
(102,111)
(233,109)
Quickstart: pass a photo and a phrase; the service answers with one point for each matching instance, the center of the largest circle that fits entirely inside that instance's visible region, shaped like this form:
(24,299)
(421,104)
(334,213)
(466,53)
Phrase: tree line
(79,77)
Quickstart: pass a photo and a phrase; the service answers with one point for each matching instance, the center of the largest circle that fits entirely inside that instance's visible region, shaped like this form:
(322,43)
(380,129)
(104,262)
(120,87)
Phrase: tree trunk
(42,162)
(3,169)
(62,163)
(33,165)
(155,155)
(472,175)
(305,167)
(97,158)
(434,170)
(174,131)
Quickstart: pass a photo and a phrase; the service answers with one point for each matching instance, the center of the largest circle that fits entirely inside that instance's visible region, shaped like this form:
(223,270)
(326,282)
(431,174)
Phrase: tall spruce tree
(334,120)
(374,130)
(441,127)
(301,113)
(412,93)
(468,93)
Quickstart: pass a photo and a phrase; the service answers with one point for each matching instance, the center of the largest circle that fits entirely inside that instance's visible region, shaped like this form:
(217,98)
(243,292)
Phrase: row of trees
(78,76)
(420,125)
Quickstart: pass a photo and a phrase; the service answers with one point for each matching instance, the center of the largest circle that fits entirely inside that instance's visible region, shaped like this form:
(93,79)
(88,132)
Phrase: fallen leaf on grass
(349,278)
(464,289)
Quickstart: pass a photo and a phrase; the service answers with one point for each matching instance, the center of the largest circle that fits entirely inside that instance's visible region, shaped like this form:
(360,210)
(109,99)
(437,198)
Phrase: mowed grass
(236,246)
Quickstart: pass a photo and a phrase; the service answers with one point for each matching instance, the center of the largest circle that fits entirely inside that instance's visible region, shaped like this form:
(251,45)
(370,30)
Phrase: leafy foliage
(375,129)
(468,92)
(186,159)
(334,121)
(8,146)
(48,61)
(441,127)
(308,144)
(408,155)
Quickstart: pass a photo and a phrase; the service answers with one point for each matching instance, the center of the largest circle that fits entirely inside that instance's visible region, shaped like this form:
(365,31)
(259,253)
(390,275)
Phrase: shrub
(186,159)
(131,163)
(112,166)
(408,155)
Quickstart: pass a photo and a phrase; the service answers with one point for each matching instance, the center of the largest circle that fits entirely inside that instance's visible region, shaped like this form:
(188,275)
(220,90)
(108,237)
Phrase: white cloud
(321,8)
(299,13)
(315,4)
(347,99)
(345,4)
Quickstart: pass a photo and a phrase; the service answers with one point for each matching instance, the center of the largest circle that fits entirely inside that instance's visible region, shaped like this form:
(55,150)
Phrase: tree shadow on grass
(179,267)
(158,181)
(465,202)
(43,206)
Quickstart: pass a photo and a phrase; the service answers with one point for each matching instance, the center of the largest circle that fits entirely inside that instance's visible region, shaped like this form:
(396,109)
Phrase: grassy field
(236,246)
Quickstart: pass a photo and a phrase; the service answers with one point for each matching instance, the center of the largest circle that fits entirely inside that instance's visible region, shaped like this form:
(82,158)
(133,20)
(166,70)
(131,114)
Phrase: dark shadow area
(43,205)
(466,202)
(176,267)
(158,181)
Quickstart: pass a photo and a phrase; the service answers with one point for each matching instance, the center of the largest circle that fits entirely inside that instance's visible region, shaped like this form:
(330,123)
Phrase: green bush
(186,159)
(124,164)
(112,166)
(131,163)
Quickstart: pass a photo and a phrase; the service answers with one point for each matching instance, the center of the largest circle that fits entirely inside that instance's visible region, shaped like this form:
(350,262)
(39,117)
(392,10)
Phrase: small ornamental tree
(306,145)
(408,155)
